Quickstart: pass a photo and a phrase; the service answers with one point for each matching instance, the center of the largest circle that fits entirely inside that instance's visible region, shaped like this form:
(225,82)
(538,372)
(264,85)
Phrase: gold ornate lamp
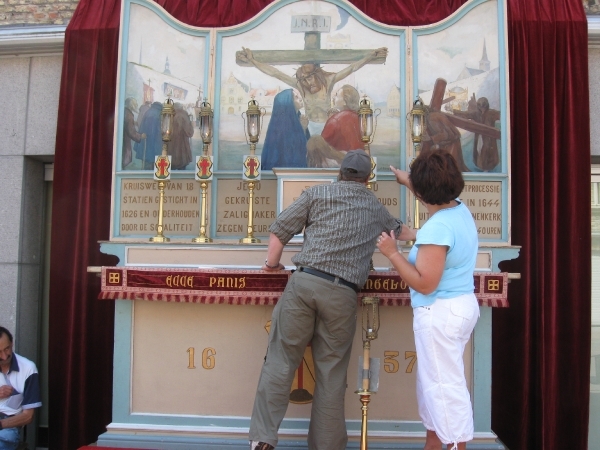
(162,165)
(368,124)
(206,124)
(251,170)
(204,164)
(417,120)
(368,378)
(253,123)
(365,114)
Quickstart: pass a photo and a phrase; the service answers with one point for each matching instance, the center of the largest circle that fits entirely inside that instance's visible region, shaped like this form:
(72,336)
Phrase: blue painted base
(168,442)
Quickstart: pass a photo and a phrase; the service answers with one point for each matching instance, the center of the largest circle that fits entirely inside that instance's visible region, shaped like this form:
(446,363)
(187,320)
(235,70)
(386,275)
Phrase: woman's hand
(425,275)
(386,243)
(401,176)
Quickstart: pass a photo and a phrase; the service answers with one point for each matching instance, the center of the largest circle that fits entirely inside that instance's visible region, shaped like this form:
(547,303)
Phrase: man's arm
(267,69)
(274,254)
(383,51)
(407,234)
(18,420)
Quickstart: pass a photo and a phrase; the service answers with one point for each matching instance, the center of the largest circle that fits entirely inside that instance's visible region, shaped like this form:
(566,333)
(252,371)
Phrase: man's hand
(5,391)
(273,268)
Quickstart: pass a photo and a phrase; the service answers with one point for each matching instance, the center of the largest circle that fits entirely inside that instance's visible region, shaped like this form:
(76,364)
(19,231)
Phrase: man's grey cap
(356,163)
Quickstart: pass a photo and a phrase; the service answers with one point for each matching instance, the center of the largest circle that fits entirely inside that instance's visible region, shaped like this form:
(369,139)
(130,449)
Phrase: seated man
(19,392)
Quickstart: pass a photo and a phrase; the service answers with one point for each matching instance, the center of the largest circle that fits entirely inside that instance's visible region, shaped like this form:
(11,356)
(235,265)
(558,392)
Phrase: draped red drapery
(541,344)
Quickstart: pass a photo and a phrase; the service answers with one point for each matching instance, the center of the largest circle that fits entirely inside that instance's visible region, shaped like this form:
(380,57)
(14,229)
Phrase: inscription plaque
(232,207)
(139,207)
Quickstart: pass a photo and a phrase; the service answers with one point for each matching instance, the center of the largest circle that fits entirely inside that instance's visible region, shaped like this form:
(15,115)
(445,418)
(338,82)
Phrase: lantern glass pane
(366,124)
(253,125)
(417,128)
(167,126)
(206,127)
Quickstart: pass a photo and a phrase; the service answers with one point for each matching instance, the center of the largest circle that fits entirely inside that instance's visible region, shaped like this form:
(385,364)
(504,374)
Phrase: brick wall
(36,12)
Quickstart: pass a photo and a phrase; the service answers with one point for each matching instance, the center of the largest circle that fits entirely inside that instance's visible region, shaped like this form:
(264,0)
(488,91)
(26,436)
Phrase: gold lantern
(368,122)
(416,118)
(203,166)
(251,170)
(162,165)
(370,329)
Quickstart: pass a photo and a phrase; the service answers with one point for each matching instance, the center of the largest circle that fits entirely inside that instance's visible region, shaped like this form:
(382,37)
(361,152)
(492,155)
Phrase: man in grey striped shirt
(341,223)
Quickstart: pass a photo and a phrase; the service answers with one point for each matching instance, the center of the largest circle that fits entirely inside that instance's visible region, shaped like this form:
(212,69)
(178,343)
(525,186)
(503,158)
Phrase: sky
(440,54)
(157,40)
(444,54)
(376,80)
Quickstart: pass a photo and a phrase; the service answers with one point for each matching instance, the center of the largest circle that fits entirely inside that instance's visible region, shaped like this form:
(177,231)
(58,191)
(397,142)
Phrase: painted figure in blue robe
(150,147)
(285,142)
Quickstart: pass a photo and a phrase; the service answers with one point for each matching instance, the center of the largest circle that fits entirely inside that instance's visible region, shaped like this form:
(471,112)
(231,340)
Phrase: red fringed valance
(256,287)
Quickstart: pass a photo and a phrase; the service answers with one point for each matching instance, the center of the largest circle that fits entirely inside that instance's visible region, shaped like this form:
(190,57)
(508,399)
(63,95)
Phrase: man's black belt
(329,277)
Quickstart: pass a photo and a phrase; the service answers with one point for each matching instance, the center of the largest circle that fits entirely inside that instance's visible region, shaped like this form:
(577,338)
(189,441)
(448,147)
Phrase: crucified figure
(315,84)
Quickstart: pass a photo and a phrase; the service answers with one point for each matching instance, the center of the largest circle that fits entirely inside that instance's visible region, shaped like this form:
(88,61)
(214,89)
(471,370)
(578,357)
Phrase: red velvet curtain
(540,345)
(81,328)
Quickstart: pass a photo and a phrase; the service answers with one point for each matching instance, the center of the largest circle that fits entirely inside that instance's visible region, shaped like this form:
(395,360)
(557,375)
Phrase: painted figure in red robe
(341,132)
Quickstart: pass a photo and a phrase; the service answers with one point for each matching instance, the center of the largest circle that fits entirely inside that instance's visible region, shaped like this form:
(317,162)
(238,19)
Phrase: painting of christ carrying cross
(459,75)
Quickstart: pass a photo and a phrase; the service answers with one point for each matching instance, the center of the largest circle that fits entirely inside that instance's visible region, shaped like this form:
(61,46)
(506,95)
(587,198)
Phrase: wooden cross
(312,27)
(437,99)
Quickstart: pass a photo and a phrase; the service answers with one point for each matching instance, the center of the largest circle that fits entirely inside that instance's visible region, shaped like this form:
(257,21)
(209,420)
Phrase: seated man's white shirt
(24,379)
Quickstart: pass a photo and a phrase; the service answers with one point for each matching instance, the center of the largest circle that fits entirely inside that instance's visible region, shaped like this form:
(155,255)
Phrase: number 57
(391,365)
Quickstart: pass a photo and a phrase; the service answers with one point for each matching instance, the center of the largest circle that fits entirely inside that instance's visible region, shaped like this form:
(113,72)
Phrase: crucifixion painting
(315,86)
(310,80)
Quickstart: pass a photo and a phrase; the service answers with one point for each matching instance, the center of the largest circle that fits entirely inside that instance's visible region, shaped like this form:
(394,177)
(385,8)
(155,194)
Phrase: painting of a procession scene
(459,79)
(161,61)
(309,65)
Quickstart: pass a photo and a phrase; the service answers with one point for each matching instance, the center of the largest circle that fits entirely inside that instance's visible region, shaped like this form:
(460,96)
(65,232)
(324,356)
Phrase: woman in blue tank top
(439,272)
